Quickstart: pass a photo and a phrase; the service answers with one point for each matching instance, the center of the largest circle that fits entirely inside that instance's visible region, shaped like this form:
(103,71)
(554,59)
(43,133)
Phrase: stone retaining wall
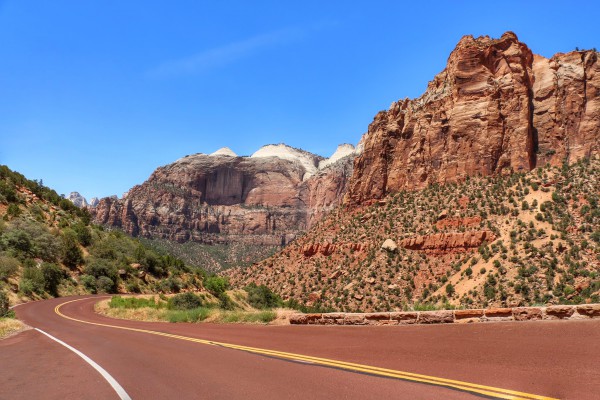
(583,311)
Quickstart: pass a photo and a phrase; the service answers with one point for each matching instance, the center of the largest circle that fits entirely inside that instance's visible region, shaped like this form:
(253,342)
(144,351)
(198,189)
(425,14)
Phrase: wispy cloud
(219,56)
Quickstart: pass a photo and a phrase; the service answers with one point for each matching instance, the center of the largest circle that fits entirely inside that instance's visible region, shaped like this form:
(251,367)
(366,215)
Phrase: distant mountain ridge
(265,199)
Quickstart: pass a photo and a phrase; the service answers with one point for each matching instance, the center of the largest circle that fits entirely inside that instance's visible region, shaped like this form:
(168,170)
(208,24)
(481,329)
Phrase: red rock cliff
(495,108)
(264,200)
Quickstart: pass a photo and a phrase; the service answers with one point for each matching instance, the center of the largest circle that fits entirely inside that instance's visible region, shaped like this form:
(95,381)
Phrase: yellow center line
(489,391)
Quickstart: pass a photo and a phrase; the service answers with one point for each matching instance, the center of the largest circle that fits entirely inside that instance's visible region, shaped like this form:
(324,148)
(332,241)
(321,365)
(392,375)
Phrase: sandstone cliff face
(496,108)
(266,199)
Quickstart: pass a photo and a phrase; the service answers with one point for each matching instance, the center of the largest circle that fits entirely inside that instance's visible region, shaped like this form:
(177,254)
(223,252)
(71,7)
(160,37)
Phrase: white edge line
(115,385)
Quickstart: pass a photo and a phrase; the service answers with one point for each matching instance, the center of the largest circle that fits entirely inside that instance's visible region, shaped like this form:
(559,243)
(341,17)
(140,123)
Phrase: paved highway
(141,360)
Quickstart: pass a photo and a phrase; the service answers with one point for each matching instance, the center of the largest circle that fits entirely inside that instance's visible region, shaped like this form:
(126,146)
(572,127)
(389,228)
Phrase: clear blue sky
(94,95)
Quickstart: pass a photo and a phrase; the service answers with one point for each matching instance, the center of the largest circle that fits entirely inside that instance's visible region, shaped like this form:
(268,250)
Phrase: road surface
(533,360)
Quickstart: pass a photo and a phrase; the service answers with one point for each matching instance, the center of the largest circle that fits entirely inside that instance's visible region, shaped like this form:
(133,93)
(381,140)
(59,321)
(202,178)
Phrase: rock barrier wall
(582,311)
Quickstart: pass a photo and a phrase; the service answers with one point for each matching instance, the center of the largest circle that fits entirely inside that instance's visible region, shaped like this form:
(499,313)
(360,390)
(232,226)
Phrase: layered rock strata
(265,199)
(495,108)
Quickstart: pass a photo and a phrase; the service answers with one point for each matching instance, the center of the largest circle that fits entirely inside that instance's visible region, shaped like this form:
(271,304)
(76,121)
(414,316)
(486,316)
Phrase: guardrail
(563,312)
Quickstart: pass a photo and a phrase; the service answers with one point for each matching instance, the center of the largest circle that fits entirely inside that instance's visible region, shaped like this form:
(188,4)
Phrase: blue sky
(94,95)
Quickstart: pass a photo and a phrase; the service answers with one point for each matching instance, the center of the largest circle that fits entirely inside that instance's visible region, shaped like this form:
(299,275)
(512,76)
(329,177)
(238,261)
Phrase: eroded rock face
(448,242)
(220,198)
(495,108)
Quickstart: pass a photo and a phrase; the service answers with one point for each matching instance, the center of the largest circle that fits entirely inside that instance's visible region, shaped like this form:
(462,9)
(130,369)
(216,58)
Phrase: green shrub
(4,306)
(89,283)
(26,286)
(225,302)
(8,267)
(7,190)
(18,242)
(105,285)
(83,233)
(216,284)
(185,301)
(132,287)
(99,267)
(262,297)
(72,255)
(35,277)
(53,275)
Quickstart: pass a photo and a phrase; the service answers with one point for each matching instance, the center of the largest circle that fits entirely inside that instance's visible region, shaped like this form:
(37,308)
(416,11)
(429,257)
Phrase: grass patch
(264,316)
(193,315)
(152,310)
(8,326)
(135,302)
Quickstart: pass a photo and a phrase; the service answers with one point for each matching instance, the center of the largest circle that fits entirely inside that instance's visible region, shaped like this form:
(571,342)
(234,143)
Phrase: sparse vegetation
(185,307)
(544,247)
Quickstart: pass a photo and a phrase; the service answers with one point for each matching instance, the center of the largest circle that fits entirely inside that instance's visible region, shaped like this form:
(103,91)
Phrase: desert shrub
(170,284)
(225,302)
(26,287)
(71,253)
(99,267)
(25,238)
(32,281)
(13,210)
(52,275)
(17,242)
(105,285)
(8,192)
(8,267)
(216,284)
(83,233)
(89,283)
(185,301)
(4,306)
(262,297)
(132,287)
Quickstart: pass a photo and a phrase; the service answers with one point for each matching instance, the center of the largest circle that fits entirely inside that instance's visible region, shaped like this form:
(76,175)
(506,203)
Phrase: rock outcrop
(442,243)
(495,108)
(265,199)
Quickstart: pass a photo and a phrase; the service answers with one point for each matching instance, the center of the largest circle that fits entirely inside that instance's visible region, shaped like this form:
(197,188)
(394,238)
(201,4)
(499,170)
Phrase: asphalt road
(547,359)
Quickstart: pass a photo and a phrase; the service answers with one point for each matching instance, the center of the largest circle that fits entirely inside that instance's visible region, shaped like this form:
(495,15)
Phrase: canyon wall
(496,108)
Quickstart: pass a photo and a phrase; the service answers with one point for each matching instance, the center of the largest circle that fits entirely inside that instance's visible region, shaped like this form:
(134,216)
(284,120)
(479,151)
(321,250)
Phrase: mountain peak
(308,160)
(343,150)
(224,151)
(77,199)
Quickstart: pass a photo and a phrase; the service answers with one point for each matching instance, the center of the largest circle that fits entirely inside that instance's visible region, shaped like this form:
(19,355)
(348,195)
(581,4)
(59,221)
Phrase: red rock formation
(495,108)
(447,242)
(329,248)
(220,199)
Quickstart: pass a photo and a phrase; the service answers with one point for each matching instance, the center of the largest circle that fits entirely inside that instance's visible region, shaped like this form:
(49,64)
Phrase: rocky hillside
(496,108)
(521,239)
(261,202)
(527,233)
(49,248)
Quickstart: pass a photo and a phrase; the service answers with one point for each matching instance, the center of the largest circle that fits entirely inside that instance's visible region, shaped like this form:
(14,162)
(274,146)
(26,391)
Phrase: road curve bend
(537,360)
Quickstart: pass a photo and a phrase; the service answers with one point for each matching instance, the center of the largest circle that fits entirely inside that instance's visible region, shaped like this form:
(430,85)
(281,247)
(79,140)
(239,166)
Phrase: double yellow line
(488,391)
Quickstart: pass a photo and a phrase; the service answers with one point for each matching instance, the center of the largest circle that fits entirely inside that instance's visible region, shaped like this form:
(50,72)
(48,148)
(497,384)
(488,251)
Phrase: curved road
(537,360)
